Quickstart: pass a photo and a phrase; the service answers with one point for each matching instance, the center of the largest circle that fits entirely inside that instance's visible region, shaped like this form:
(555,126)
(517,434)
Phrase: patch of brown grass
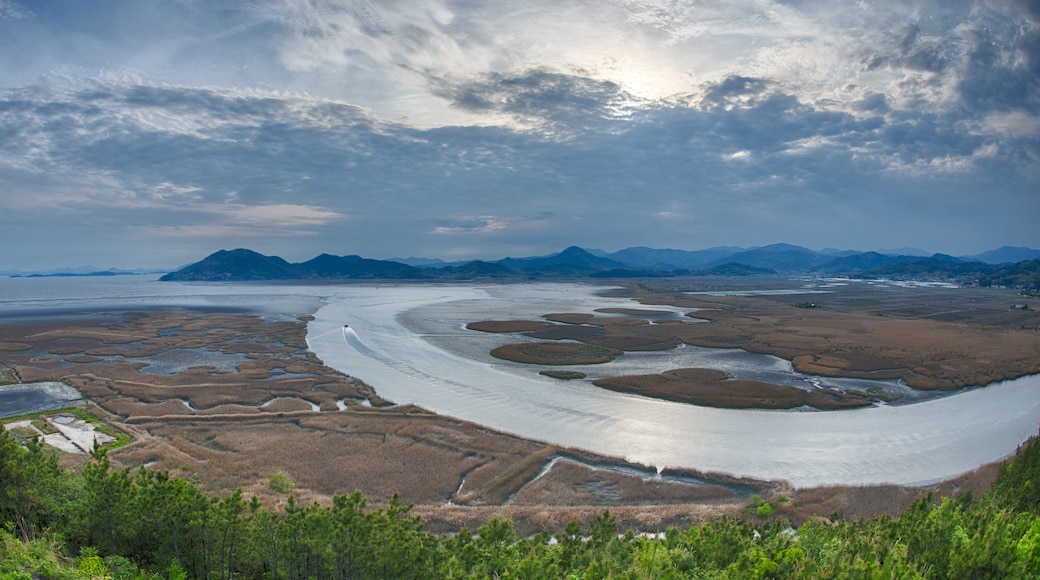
(83,359)
(508,325)
(580,485)
(14,346)
(569,317)
(634,311)
(66,350)
(925,354)
(714,388)
(708,388)
(286,405)
(552,353)
(862,502)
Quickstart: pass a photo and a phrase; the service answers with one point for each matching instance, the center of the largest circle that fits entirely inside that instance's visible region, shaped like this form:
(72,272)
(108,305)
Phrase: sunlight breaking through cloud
(290,116)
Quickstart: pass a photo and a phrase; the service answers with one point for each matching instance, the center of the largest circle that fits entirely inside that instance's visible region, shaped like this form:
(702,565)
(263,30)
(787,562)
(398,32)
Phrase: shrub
(281,483)
(91,565)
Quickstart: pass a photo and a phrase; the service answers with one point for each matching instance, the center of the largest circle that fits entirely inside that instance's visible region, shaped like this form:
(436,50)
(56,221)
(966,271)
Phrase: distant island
(83,272)
(75,274)
(999,267)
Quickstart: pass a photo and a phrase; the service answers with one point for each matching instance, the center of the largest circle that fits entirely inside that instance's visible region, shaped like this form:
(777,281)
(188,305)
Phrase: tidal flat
(414,342)
(278,403)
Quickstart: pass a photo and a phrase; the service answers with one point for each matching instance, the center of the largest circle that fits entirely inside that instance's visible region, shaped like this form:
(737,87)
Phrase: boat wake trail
(405,368)
(355,342)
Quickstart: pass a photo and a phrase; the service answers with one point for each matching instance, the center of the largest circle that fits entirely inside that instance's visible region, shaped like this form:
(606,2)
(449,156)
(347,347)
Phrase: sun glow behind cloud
(519,125)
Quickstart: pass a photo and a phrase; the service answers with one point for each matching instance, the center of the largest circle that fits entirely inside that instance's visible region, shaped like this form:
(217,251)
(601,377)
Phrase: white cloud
(281,215)
(12,10)
(669,215)
(489,224)
(484,224)
(215,231)
(242,221)
(1013,124)
(923,167)
(167,192)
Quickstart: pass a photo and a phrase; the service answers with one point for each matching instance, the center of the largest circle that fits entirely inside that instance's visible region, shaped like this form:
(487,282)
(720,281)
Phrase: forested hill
(116,524)
(574,262)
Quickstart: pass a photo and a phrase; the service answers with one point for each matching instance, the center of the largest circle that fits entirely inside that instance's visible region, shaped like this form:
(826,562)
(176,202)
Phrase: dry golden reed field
(258,403)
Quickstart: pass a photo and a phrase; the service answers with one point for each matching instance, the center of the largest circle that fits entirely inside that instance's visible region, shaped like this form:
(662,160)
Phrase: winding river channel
(410,343)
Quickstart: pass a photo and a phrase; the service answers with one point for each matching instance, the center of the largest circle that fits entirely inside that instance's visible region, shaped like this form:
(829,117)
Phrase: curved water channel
(410,343)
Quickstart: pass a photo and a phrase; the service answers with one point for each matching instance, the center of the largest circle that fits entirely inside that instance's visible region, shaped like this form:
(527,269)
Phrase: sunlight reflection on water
(410,343)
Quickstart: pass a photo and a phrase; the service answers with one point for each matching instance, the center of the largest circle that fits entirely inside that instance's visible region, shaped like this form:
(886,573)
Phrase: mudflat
(257,403)
(229,399)
(931,338)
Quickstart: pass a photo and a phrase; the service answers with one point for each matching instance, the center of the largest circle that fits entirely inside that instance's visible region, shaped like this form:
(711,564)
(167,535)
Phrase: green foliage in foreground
(116,524)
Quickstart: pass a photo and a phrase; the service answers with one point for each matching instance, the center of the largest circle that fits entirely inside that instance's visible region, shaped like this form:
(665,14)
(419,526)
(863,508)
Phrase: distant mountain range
(1007,266)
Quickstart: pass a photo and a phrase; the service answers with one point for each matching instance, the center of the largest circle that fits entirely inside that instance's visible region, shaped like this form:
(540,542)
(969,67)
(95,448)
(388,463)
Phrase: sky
(151,133)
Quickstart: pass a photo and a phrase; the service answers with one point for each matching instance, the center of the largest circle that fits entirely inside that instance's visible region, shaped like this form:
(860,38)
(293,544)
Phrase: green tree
(261,550)
(496,544)
(401,548)
(1018,483)
(350,533)
(460,555)
(106,510)
(34,491)
(164,507)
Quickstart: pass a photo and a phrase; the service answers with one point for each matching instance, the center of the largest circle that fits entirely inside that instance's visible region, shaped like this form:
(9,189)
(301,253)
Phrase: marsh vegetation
(259,411)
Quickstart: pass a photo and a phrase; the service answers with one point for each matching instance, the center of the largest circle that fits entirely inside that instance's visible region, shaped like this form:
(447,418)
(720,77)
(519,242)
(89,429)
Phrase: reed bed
(209,425)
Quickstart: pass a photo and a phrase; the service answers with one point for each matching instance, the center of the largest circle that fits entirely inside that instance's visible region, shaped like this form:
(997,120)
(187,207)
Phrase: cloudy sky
(150,133)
